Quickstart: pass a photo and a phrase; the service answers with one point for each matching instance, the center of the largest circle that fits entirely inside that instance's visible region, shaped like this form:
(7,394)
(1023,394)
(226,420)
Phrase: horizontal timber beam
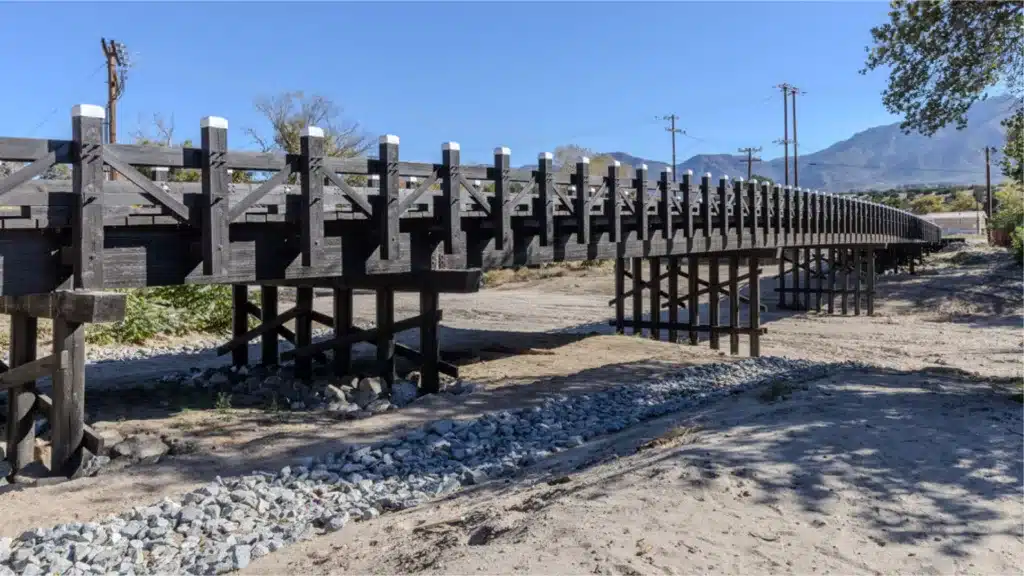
(79,306)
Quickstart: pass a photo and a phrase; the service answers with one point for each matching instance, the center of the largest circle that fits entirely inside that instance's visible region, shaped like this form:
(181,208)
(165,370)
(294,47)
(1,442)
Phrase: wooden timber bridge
(386,225)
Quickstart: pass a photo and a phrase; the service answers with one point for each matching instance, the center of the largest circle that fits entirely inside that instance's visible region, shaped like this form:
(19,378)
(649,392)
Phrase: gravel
(222,526)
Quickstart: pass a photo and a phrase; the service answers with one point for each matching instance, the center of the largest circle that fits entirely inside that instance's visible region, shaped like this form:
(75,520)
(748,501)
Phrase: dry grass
(493,278)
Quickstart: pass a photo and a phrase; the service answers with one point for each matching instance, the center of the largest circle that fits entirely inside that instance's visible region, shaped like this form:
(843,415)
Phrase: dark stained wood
(870,272)
(665,186)
(386,211)
(303,330)
(90,439)
(67,423)
(641,202)
(654,291)
(21,429)
(620,295)
(156,194)
(87,234)
(385,340)
(714,302)
(583,201)
(311,231)
(734,304)
(268,340)
(694,304)
(252,198)
(857,268)
(613,203)
(501,207)
(688,199)
(215,214)
(342,362)
(269,325)
(29,372)
(430,345)
(673,298)
(544,205)
(705,207)
(451,200)
(638,295)
(239,322)
(80,306)
(26,173)
(754,294)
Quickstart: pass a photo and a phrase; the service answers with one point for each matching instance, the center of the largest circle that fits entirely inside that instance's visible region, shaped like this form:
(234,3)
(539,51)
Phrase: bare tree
(567,156)
(290,112)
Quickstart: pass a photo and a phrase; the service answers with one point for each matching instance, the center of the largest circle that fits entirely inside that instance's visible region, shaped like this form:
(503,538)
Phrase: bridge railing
(508,216)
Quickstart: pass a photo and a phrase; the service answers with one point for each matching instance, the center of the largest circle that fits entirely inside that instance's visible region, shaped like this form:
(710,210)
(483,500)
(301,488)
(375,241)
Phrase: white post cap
(476,182)
(584,160)
(545,156)
(88,111)
(453,146)
(740,179)
(161,169)
(502,151)
(689,172)
(707,175)
(413,179)
(725,177)
(388,139)
(230,171)
(214,122)
(641,166)
(616,163)
(572,187)
(667,170)
(312,132)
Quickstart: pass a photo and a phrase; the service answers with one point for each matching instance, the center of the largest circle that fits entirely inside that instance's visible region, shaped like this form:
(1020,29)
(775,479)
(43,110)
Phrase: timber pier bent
(386,225)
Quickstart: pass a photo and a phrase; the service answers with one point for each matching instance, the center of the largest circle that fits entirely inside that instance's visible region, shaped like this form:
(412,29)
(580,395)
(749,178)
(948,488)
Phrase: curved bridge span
(127,219)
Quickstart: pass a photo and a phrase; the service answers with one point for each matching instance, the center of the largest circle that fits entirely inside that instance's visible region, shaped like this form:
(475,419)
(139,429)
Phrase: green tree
(164,136)
(567,156)
(763,179)
(963,201)
(944,55)
(927,204)
(1012,162)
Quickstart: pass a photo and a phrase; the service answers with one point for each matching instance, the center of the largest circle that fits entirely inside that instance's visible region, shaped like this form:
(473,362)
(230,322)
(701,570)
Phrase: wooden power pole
(114,53)
(988,192)
(785,126)
(671,118)
(750,159)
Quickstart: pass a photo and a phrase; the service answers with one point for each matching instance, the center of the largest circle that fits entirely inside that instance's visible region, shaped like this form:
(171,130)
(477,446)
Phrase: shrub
(169,311)
(1017,243)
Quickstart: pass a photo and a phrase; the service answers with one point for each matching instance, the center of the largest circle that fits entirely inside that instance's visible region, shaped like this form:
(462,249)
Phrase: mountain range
(877,158)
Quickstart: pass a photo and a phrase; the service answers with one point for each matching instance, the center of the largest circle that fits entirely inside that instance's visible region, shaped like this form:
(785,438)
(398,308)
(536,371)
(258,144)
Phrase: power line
(839,165)
(50,114)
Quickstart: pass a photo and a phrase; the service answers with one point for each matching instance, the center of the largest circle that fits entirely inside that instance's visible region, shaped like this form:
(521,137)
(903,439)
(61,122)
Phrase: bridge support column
(638,296)
(303,330)
(654,291)
(714,302)
(21,399)
(754,294)
(734,304)
(239,322)
(871,281)
(342,361)
(781,305)
(268,341)
(833,263)
(820,277)
(673,299)
(794,295)
(620,295)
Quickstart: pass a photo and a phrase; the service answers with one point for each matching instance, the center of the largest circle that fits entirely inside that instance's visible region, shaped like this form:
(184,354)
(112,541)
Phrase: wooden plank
(342,361)
(723,207)
(80,306)
(252,198)
(688,198)
(239,322)
(67,423)
(215,213)
(613,203)
(29,372)
(21,429)
(87,187)
(154,192)
(386,335)
(754,292)
(32,149)
(268,340)
(665,207)
(654,291)
(673,298)
(856,280)
(638,295)
(371,335)
(453,240)
(693,274)
(430,345)
(734,304)
(303,330)
(820,278)
(641,201)
(544,205)
(386,211)
(705,206)
(501,208)
(871,282)
(27,173)
(90,439)
(750,224)
(311,230)
(266,327)
(620,295)
(583,201)
(714,303)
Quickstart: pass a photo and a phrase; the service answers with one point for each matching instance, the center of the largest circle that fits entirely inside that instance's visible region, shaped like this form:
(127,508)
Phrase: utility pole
(750,159)
(785,126)
(117,72)
(796,160)
(671,118)
(988,191)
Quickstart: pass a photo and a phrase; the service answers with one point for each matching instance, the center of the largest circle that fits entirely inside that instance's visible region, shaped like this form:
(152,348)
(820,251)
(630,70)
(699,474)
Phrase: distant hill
(877,158)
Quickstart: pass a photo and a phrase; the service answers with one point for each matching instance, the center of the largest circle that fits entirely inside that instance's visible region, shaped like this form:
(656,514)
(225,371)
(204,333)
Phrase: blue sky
(527,75)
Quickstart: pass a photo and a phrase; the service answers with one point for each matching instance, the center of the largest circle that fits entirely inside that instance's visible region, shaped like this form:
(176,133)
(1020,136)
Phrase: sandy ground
(914,466)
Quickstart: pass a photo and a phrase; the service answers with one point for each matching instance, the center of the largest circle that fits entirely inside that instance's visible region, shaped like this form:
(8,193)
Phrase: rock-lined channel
(224,525)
